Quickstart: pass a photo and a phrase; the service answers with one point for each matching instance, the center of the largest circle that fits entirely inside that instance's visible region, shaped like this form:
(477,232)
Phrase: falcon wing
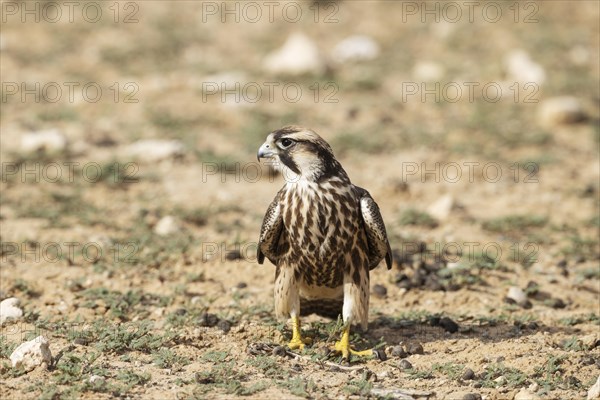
(379,247)
(270,231)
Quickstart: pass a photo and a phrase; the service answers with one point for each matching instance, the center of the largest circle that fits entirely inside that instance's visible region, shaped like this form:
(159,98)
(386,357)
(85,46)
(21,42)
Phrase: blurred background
(129,133)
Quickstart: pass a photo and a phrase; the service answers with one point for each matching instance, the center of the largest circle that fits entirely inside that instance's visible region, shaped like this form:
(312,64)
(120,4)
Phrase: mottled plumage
(322,232)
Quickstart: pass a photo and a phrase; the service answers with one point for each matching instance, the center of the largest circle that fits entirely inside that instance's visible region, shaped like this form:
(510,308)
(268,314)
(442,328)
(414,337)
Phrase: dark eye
(285,143)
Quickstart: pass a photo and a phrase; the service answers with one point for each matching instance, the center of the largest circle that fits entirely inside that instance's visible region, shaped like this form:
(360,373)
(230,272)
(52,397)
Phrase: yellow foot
(299,343)
(343,346)
(346,350)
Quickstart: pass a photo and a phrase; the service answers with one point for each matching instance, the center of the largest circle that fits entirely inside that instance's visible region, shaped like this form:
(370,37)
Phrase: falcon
(323,234)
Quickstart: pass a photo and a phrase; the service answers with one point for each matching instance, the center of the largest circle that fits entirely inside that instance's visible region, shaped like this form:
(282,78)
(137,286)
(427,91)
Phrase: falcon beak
(265,151)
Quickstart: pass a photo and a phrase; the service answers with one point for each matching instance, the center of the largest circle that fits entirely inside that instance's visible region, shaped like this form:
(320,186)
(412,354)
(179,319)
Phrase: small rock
(441,208)
(355,48)
(208,320)
(471,396)
(517,295)
(379,291)
(428,71)
(97,380)
(242,285)
(448,325)
(590,341)
(224,325)
(594,391)
(31,354)
(555,303)
(298,56)
(9,309)
(167,225)
(279,351)
(525,394)
(534,387)
(415,348)
(522,68)
(405,364)
(180,311)
(398,351)
(47,140)
(560,110)
(152,150)
(467,374)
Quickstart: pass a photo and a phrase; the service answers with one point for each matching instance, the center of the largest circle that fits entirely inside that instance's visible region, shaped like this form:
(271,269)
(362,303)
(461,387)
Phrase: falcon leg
(343,346)
(297,342)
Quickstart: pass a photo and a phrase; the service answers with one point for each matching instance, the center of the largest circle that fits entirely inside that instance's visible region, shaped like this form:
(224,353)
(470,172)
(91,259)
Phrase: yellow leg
(343,346)
(297,342)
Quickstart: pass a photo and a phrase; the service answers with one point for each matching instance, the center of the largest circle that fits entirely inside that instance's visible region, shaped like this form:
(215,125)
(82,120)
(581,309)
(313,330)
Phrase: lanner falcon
(323,234)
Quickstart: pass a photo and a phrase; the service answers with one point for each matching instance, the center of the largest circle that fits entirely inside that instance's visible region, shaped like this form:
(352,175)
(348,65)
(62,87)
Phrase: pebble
(9,309)
(525,394)
(224,325)
(152,150)
(32,354)
(590,341)
(518,296)
(523,69)
(167,225)
(380,291)
(414,348)
(279,351)
(560,110)
(467,374)
(398,351)
(48,140)
(441,208)
(234,255)
(355,48)
(428,71)
(242,285)
(298,56)
(208,320)
(594,391)
(556,303)
(97,380)
(405,364)
(471,396)
(448,325)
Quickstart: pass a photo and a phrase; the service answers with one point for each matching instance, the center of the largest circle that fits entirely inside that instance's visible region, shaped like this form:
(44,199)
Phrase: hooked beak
(265,151)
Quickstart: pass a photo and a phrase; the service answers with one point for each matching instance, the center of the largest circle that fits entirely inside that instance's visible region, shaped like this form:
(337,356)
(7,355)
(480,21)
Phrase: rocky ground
(131,199)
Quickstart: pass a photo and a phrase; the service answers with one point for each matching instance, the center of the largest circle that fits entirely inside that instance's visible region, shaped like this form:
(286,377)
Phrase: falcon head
(300,153)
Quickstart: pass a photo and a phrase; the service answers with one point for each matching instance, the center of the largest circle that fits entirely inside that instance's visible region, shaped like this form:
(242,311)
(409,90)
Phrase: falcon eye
(285,143)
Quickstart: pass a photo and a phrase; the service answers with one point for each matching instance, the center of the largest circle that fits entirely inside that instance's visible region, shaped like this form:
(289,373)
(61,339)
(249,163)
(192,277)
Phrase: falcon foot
(298,342)
(343,346)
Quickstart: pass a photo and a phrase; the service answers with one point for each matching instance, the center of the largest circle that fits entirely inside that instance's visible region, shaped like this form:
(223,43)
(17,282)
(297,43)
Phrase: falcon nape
(323,234)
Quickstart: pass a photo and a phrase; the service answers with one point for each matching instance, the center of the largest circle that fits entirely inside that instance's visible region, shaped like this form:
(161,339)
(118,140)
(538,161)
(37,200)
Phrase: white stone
(49,140)
(298,56)
(167,225)
(515,293)
(152,150)
(525,394)
(32,354)
(97,380)
(522,68)
(560,110)
(355,48)
(428,71)
(9,309)
(441,208)
(594,391)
